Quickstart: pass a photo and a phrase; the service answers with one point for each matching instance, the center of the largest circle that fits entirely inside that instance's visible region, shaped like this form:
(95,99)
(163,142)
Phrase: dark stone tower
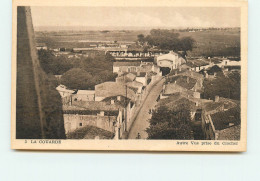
(38,104)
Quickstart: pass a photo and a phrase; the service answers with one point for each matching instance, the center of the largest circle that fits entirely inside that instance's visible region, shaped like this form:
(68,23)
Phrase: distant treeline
(205,29)
(167,40)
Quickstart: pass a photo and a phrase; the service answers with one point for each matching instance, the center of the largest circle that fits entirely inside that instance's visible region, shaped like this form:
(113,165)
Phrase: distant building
(172,88)
(142,78)
(80,50)
(222,125)
(227,62)
(110,89)
(112,114)
(126,67)
(171,60)
(178,101)
(93,114)
(84,95)
(123,46)
(221,119)
(64,92)
(126,77)
(41,46)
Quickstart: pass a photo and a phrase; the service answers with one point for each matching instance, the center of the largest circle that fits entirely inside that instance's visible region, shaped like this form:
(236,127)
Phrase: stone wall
(75,121)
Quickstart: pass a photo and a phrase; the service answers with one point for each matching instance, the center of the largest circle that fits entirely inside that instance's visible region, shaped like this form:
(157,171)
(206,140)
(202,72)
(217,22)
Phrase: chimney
(196,103)
(118,98)
(102,113)
(196,95)
(206,75)
(175,82)
(231,124)
(216,98)
(112,101)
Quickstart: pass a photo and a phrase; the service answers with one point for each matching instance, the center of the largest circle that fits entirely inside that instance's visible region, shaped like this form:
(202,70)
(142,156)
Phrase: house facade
(171,60)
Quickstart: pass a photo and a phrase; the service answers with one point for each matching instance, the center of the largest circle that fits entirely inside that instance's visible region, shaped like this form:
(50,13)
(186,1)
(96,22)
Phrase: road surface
(141,122)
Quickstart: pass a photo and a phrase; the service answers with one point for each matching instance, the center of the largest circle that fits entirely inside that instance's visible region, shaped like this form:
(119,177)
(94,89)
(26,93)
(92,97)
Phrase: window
(80,124)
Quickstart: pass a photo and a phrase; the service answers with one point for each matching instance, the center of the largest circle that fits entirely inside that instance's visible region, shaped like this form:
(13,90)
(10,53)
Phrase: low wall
(75,121)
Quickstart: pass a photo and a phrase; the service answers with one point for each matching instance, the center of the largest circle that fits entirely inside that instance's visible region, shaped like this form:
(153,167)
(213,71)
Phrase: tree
(77,78)
(46,60)
(187,44)
(140,39)
(167,40)
(214,69)
(228,87)
(53,65)
(170,124)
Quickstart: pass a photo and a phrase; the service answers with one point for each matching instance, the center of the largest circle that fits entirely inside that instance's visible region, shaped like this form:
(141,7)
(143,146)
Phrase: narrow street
(141,121)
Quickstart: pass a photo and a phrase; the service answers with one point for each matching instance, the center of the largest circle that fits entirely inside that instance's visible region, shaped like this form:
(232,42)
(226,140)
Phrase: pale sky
(136,16)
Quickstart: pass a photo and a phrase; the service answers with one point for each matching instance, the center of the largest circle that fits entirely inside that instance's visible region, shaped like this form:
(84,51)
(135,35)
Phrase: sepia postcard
(150,75)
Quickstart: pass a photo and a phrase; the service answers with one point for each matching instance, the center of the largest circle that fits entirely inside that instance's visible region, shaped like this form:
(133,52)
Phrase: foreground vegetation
(224,86)
(79,73)
(170,124)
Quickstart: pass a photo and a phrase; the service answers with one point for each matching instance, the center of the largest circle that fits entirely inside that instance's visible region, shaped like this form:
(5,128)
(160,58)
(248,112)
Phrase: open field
(79,39)
(208,43)
(215,42)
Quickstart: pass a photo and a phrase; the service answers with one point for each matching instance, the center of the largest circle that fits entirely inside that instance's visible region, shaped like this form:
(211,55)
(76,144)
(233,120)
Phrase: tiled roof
(152,74)
(223,103)
(134,84)
(146,68)
(176,101)
(131,76)
(216,60)
(231,133)
(225,119)
(126,77)
(212,106)
(184,66)
(183,81)
(192,74)
(110,89)
(197,62)
(118,103)
(90,132)
(173,88)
